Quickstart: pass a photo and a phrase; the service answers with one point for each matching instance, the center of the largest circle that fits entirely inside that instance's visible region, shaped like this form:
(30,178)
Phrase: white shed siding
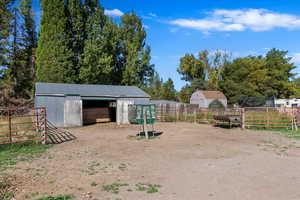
(203,102)
(198,98)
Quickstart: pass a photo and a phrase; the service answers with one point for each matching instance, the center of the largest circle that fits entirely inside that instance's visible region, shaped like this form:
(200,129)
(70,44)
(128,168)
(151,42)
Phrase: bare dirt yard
(187,162)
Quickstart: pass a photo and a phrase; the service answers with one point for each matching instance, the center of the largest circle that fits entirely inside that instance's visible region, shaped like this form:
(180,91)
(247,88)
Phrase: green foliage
(11,154)
(202,72)
(137,69)
(114,188)
(258,76)
(149,188)
(6,188)
(168,91)
(216,105)
(54,52)
(6,17)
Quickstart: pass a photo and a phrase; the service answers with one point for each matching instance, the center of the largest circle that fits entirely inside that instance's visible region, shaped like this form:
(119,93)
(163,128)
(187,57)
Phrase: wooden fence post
(243,118)
(195,116)
(9,126)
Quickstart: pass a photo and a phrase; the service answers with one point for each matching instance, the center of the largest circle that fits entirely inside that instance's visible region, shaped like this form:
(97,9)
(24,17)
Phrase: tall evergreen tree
(136,55)
(168,90)
(77,19)
(29,45)
(97,61)
(5,30)
(54,53)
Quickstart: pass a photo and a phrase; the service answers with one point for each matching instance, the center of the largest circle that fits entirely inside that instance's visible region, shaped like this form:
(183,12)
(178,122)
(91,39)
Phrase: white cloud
(296,58)
(152,15)
(146,26)
(239,20)
(114,13)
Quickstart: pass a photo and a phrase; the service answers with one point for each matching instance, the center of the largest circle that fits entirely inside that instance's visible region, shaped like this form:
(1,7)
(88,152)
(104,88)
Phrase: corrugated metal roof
(213,94)
(89,90)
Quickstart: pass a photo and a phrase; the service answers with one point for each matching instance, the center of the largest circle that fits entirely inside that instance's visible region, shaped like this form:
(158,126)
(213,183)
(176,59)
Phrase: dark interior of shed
(98,111)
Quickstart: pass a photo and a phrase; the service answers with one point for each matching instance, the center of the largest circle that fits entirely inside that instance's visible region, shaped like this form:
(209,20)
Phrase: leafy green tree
(259,76)
(192,68)
(137,69)
(54,52)
(168,91)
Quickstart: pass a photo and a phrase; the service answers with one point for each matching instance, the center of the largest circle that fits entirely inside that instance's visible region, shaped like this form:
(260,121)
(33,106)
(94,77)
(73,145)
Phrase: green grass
(6,188)
(59,197)
(10,154)
(291,134)
(114,188)
(149,188)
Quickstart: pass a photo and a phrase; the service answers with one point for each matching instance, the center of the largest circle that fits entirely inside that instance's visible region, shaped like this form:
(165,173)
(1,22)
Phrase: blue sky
(176,27)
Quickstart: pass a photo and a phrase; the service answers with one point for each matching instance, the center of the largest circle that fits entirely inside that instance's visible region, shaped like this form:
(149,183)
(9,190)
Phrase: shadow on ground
(58,136)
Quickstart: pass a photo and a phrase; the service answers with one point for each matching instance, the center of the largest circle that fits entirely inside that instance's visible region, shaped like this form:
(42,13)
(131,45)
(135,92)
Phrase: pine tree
(168,90)
(29,45)
(5,31)
(77,19)
(136,55)
(96,65)
(54,53)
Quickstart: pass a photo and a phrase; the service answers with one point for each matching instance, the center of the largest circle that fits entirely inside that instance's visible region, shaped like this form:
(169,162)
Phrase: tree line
(263,76)
(77,43)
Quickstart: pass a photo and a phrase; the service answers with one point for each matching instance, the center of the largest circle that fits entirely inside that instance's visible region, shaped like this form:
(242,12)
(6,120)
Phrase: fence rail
(250,117)
(22,124)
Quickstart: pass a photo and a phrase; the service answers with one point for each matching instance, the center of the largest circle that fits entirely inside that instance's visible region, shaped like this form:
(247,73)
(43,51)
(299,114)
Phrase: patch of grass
(10,154)
(59,197)
(149,188)
(291,134)
(94,184)
(114,188)
(122,166)
(6,188)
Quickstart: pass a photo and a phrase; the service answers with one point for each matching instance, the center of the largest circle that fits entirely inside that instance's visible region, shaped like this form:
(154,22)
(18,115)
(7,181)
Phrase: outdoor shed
(204,98)
(79,104)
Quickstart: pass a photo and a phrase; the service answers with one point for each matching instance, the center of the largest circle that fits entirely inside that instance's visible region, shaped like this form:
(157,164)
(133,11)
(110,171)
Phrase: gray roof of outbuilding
(89,90)
(164,102)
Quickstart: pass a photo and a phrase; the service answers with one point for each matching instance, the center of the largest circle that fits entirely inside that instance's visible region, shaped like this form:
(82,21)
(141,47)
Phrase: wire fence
(22,124)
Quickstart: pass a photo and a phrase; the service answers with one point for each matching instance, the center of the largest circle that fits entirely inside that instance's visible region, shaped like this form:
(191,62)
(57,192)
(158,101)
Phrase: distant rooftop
(89,90)
(213,94)
(163,102)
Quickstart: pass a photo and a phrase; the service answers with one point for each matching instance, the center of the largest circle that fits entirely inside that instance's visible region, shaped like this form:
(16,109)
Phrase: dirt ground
(188,161)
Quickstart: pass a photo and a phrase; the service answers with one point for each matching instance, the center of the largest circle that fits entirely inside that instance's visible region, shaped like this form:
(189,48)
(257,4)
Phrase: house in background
(295,102)
(204,98)
(75,104)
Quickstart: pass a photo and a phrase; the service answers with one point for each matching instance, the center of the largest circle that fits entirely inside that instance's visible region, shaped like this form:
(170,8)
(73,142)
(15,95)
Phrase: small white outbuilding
(203,98)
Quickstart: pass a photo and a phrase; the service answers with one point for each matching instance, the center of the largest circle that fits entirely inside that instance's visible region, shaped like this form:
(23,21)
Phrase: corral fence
(270,117)
(248,117)
(23,124)
(190,112)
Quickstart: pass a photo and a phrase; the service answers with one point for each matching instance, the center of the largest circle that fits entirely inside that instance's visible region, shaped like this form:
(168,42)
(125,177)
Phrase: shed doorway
(98,111)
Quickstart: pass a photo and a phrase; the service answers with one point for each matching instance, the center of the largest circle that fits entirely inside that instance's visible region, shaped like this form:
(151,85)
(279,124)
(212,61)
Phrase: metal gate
(23,124)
